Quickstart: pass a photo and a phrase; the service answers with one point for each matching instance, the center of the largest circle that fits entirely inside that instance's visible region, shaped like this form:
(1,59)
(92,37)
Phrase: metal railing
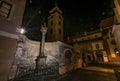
(30,73)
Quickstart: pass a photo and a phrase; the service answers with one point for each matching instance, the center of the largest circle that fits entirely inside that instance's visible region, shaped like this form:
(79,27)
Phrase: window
(59,23)
(88,37)
(59,16)
(97,46)
(51,16)
(59,31)
(51,31)
(52,22)
(5,9)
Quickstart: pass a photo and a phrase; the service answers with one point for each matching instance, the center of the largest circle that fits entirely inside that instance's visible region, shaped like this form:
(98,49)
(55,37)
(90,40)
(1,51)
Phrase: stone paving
(101,69)
(99,72)
(89,75)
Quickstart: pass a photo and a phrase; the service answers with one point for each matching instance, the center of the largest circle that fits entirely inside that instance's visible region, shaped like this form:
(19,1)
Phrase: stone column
(41,59)
(44,31)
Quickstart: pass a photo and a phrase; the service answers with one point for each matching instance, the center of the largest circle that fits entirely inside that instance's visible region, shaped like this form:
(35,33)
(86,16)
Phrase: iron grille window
(5,9)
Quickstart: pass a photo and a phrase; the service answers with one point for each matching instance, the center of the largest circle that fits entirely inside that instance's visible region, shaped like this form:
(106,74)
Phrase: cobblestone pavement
(89,75)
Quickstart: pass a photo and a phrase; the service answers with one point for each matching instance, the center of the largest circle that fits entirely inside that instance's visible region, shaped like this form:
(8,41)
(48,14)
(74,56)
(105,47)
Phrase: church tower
(55,25)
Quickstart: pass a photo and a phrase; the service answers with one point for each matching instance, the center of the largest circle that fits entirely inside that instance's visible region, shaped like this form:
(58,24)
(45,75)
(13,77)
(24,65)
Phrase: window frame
(2,8)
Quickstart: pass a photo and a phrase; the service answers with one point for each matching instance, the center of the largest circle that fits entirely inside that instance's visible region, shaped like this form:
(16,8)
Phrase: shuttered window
(5,9)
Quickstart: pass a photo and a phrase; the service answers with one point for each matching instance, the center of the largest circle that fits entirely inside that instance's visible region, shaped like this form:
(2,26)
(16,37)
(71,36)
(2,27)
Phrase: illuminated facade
(11,14)
(107,38)
(98,45)
(117,12)
(116,24)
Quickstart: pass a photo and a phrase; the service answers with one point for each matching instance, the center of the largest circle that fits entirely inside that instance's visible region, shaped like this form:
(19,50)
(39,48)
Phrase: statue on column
(41,59)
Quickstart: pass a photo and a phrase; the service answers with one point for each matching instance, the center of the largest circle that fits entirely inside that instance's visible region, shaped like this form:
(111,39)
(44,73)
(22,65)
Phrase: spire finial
(56,4)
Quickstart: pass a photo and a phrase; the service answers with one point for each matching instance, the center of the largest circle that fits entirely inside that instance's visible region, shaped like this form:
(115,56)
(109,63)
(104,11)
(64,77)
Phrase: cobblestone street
(89,75)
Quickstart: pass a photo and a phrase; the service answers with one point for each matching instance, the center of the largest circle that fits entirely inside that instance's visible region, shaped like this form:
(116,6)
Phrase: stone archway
(68,57)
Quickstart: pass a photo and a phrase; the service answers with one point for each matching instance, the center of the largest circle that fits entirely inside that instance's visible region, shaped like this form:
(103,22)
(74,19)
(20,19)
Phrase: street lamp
(21,30)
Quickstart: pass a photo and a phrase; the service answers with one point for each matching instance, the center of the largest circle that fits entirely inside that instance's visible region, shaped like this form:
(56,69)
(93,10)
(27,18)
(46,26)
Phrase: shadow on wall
(7,51)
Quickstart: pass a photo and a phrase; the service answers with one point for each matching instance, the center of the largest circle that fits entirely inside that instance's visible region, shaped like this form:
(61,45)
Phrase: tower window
(5,9)
(59,16)
(59,31)
(51,31)
(59,23)
(51,16)
(52,22)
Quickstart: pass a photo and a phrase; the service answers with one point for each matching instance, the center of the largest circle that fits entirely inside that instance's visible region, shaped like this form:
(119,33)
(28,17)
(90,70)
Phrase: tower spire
(56,4)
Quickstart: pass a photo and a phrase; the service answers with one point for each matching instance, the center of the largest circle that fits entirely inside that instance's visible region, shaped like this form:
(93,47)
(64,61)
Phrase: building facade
(106,38)
(98,45)
(116,24)
(11,14)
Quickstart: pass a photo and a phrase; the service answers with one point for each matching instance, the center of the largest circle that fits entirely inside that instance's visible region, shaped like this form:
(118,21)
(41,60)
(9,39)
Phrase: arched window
(60,23)
(59,31)
(52,22)
(59,17)
(51,31)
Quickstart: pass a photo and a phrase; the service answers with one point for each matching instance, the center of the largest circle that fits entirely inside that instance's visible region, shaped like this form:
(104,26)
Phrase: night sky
(79,15)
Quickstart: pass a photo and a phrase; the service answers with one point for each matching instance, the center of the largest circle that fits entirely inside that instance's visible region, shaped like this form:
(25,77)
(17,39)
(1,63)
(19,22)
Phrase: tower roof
(56,4)
(55,9)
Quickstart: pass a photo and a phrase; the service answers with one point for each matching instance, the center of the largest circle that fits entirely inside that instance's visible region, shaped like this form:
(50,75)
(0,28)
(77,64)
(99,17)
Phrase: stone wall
(56,52)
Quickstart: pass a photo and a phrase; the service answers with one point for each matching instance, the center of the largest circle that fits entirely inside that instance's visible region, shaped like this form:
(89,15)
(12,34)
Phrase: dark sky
(79,15)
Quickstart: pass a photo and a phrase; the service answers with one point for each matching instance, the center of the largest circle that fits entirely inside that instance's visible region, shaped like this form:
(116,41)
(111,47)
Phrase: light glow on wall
(113,55)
